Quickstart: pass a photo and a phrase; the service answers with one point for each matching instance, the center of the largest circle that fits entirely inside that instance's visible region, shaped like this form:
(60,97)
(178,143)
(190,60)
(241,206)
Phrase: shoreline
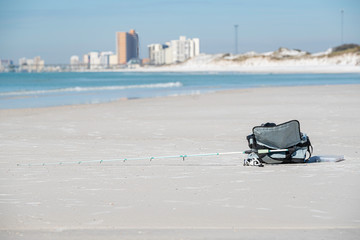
(330,69)
(123,99)
(228,68)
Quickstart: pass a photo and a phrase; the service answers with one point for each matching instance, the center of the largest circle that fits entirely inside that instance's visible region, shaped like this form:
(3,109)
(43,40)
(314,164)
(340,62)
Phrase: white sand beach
(212,197)
(281,61)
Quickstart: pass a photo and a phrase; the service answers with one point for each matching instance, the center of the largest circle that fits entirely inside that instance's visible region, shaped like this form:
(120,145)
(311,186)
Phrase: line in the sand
(183,156)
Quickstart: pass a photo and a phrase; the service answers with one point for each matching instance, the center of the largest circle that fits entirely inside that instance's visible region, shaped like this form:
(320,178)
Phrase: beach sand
(212,197)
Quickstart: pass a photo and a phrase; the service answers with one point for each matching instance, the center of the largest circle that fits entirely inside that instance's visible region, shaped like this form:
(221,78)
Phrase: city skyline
(57,30)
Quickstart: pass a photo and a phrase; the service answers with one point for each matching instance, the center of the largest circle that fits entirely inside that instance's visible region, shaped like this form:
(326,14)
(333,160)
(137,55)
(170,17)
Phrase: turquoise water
(29,90)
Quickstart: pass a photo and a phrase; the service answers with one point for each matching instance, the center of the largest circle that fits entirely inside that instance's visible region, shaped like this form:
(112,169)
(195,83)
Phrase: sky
(58,29)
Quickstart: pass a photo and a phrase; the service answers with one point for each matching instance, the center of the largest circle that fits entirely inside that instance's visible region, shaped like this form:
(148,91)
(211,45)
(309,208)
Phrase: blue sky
(55,29)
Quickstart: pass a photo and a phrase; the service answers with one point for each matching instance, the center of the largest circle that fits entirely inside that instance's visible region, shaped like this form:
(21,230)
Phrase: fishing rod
(260,151)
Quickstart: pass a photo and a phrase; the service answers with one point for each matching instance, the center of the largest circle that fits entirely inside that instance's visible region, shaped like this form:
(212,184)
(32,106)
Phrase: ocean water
(32,90)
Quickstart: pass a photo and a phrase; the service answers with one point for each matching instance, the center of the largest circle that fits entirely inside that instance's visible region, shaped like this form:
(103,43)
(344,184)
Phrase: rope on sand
(132,159)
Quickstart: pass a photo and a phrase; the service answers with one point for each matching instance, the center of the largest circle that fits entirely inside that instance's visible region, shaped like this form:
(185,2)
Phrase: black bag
(283,143)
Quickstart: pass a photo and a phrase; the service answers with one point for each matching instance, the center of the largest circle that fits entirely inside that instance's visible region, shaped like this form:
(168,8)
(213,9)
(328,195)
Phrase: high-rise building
(157,54)
(175,51)
(105,58)
(127,46)
(94,58)
(184,49)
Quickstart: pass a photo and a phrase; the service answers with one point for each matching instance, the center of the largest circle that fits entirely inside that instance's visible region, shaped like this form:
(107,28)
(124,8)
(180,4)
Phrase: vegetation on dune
(286,54)
(345,49)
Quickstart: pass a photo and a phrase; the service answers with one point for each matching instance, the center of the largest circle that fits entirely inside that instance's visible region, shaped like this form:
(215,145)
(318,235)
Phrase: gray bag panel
(281,136)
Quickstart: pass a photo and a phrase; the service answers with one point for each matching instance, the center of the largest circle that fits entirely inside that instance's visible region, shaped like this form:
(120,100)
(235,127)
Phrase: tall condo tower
(127,46)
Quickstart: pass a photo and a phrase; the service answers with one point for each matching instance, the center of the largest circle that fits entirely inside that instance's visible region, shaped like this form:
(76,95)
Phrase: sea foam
(89,89)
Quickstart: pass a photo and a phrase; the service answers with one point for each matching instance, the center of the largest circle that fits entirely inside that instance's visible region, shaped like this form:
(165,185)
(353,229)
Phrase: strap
(289,154)
(309,149)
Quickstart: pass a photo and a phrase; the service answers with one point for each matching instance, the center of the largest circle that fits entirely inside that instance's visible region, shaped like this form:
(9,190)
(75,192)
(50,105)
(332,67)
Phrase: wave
(88,89)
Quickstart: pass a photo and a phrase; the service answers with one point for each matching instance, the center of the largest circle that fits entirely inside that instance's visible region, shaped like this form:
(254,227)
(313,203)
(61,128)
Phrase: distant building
(157,54)
(6,65)
(174,51)
(86,59)
(113,60)
(31,65)
(74,63)
(184,49)
(107,59)
(94,60)
(74,60)
(127,46)
(6,62)
(97,60)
